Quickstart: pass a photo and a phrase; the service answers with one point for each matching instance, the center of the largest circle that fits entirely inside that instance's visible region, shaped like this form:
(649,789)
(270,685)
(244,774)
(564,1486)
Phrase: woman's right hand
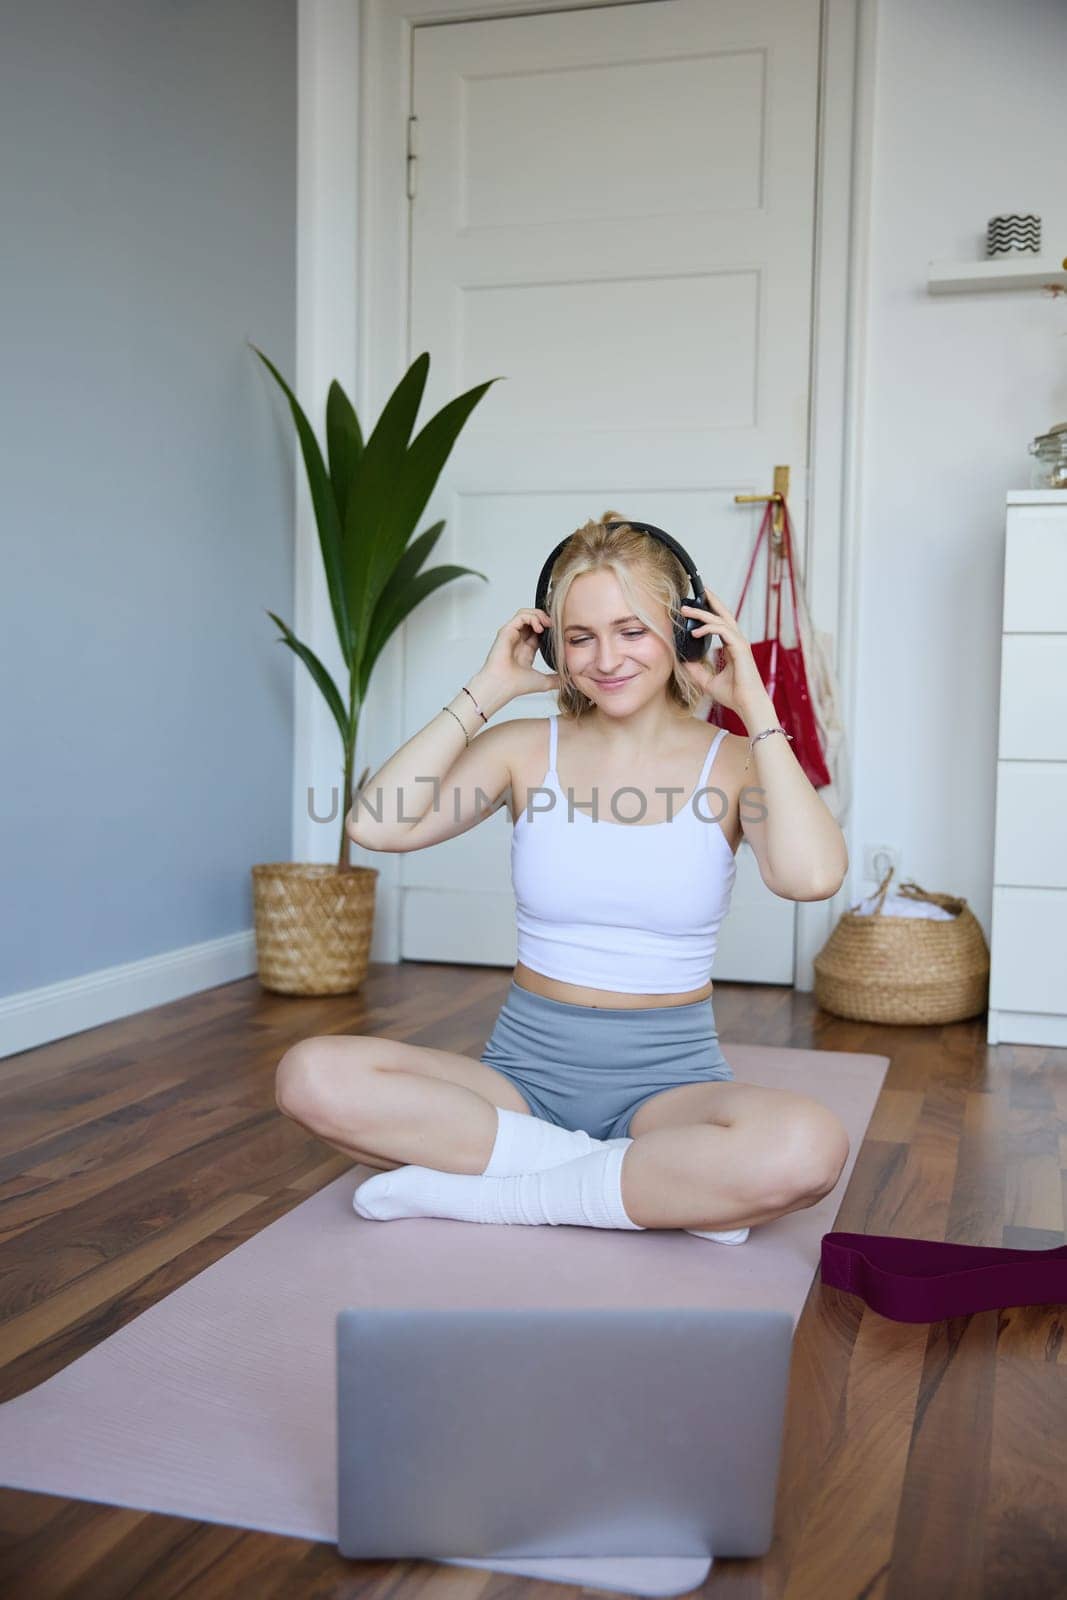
(510,660)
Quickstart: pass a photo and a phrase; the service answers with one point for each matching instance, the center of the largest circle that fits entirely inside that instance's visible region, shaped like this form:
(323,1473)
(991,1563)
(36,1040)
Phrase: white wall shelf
(1008,272)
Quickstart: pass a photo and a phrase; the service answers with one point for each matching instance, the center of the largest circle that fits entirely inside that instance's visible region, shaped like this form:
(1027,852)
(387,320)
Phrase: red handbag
(780,666)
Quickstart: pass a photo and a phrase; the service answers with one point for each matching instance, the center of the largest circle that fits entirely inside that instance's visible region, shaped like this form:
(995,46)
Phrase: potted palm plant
(314,920)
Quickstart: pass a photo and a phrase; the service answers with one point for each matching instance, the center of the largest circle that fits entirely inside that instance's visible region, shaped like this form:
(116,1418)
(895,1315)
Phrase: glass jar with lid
(1049,467)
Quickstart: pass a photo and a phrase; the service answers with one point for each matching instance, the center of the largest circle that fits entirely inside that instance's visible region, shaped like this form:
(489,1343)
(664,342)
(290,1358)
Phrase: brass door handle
(779,495)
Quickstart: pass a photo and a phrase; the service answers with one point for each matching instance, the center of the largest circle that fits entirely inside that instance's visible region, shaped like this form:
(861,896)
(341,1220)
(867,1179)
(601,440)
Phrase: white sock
(731,1236)
(586,1191)
(530,1144)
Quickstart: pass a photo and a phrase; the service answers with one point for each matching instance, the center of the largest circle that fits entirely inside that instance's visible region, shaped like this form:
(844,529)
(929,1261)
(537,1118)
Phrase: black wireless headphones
(688,648)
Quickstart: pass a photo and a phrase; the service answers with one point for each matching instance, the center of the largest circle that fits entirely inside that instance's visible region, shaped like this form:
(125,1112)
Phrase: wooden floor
(919,1460)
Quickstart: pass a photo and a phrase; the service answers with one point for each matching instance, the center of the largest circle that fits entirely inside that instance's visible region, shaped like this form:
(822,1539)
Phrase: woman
(602,1097)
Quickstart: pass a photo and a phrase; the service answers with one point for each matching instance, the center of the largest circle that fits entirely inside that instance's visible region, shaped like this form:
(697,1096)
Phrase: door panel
(614,212)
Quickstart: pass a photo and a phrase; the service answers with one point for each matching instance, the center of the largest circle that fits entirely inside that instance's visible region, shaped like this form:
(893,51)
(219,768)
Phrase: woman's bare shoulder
(732,754)
(525,731)
(527,755)
(735,744)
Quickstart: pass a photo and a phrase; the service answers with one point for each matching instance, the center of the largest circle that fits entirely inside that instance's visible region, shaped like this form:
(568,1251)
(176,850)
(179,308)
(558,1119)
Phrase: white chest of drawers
(1028,939)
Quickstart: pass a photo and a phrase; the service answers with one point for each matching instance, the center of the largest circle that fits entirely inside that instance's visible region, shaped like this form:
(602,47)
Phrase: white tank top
(633,907)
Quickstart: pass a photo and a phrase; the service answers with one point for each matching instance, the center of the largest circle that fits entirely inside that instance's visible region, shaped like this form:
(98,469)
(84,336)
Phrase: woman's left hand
(739,681)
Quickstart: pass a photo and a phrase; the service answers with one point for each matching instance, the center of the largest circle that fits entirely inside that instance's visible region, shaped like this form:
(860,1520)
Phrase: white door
(614,212)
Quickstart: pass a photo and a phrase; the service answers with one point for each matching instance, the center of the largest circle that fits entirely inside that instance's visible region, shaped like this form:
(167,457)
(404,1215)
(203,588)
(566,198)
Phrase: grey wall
(147,231)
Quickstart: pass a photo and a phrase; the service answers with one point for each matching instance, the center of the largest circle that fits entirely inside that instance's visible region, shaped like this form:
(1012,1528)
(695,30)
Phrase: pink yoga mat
(218,1403)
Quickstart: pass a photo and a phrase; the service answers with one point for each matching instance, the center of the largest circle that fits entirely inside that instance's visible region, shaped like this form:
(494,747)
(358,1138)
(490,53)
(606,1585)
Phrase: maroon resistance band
(923,1280)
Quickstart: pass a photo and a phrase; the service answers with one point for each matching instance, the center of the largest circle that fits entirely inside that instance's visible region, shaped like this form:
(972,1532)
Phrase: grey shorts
(592,1067)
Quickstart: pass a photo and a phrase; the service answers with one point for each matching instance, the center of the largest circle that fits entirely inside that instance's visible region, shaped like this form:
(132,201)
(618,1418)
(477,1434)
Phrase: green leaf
(393,491)
(402,575)
(427,456)
(319,673)
(377,476)
(413,595)
(344,444)
(326,514)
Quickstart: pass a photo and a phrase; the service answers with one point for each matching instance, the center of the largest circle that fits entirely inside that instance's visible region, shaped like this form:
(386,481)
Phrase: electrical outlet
(877,860)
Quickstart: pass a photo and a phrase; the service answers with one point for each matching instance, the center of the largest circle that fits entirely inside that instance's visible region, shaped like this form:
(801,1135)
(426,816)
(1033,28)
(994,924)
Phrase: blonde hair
(637,559)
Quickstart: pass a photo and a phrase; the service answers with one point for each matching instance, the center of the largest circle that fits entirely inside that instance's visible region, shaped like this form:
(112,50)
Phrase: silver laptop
(565,1432)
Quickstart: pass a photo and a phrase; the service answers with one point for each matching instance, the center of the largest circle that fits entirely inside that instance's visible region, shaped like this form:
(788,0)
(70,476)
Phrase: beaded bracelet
(475,704)
(459,719)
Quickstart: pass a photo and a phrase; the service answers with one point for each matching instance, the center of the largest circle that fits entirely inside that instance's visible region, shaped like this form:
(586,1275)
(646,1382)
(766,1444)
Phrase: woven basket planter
(314,926)
(905,969)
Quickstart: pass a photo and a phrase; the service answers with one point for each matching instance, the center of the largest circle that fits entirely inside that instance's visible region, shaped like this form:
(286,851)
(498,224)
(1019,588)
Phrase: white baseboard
(1026,1027)
(56,1010)
(38,1016)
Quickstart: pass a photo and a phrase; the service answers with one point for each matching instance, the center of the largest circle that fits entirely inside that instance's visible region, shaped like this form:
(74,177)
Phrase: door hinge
(412,156)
